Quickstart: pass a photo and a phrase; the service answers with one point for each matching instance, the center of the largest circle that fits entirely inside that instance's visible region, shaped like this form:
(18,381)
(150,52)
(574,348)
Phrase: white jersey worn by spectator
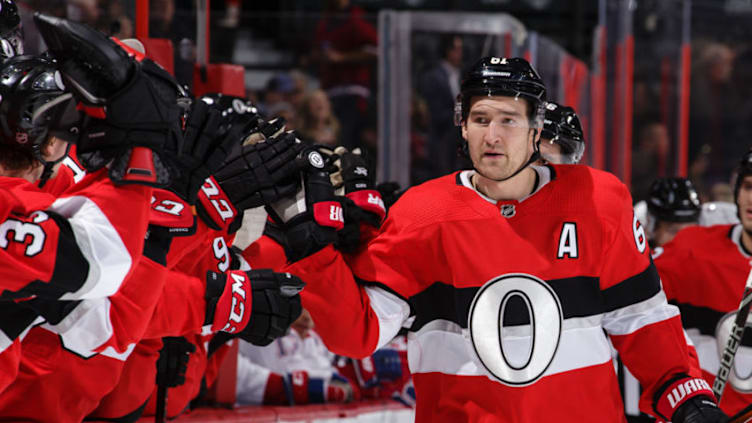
(294,369)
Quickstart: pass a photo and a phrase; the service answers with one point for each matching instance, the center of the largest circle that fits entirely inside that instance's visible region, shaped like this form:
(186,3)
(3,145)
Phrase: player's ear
(463,125)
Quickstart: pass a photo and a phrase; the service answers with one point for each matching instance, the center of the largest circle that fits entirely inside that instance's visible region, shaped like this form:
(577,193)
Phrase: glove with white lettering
(258,306)
(253,175)
(311,218)
(684,399)
(362,203)
(209,137)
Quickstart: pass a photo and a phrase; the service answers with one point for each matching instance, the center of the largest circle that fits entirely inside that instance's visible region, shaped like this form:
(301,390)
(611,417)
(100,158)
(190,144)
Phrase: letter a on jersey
(568,241)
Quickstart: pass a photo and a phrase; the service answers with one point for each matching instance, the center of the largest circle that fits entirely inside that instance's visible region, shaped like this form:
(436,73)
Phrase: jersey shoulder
(702,237)
(438,200)
(582,186)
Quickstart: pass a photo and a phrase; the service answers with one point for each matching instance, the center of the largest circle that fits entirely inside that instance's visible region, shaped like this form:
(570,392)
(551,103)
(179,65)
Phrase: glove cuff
(676,392)
(370,201)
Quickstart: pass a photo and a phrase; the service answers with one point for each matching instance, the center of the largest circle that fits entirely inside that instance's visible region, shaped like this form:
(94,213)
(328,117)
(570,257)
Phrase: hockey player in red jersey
(703,270)
(507,322)
(671,206)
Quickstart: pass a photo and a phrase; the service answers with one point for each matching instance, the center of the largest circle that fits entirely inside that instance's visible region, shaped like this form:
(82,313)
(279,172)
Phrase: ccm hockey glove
(310,219)
(258,305)
(253,175)
(133,107)
(684,399)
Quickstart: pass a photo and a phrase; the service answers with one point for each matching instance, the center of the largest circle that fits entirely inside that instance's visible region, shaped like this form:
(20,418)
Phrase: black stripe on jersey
(703,318)
(15,318)
(71,267)
(580,296)
(53,311)
(638,288)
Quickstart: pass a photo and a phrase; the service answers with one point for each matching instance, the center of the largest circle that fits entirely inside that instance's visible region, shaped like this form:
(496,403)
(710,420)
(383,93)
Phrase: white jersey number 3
(487,331)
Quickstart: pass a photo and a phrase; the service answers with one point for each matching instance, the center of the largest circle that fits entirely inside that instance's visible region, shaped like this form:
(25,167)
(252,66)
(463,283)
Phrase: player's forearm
(339,307)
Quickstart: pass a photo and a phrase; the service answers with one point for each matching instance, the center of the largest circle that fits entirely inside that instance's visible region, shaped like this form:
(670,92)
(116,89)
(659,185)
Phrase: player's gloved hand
(205,145)
(133,107)
(301,388)
(276,304)
(360,201)
(252,175)
(258,305)
(684,399)
(390,193)
(173,361)
(309,219)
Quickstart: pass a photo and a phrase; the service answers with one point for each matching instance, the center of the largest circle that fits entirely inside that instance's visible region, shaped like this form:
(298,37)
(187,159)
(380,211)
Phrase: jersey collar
(545,175)
(735,235)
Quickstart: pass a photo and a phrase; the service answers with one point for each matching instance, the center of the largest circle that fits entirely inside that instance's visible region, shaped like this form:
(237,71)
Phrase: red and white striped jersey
(703,270)
(508,304)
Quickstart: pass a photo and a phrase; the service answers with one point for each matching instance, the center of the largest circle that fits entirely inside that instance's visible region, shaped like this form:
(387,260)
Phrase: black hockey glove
(276,304)
(133,107)
(253,175)
(361,203)
(309,219)
(390,193)
(684,399)
(257,306)
(173,361)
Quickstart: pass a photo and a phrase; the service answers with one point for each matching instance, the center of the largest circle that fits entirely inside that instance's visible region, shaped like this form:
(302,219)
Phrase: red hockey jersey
(703,271)
(508,303)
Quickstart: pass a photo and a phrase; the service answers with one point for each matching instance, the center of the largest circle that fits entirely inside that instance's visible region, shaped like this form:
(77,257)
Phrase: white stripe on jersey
(391,310)
(633,317)
(86,327)
(109,260)
(442,346)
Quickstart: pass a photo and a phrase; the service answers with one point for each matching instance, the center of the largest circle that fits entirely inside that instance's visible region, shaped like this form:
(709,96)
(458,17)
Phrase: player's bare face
(498,134)
(745,203)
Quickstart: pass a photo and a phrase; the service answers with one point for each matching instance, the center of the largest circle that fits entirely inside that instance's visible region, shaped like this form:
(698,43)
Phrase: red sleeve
(265,253)
(332,297)
(181,308)
(82,245)
(644,328)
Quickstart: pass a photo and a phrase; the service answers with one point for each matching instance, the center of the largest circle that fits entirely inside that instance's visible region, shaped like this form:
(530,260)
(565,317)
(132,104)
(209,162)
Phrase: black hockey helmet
(501,76)
(674,200)
(11,35)
(743,169)
(562,126)
(34,104)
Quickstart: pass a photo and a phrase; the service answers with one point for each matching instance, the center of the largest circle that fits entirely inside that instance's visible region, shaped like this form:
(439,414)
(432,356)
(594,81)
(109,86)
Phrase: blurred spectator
(346,48)
(439,87)
(284,110)
(295,369)
(278,90)
(721,191)
(649,158)
(176,21)
(420,165)
(33,43)
(318,123)
(712,109)
(300,90)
